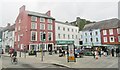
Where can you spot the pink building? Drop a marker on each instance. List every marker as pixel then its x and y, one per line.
pixel 34 30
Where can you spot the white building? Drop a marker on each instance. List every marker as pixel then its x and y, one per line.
pixel 8 37
pixel 66 34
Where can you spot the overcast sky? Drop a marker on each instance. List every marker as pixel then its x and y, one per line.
pixel 61 10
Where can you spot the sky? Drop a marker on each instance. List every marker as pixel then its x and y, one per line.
pixel 61 10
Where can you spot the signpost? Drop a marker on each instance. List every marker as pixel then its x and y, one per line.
pixel 70 53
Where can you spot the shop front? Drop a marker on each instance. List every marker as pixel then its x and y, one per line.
pixel 63 43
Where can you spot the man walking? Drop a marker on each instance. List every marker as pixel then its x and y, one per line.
pixel 112 51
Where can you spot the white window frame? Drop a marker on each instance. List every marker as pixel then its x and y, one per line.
pixel 58 27
pixel 104 32
pixel 105 39
pixel 59 36
pixel 36 35
pixel 64 36
pixel 42 35
pixel 42 19
pixel 34 17
pixel 18 27
pixel 111 31
pixel 33 25
pixel 51 36
pixel 19 21
pixel 50 20
pixel 118 30
pixel 18 37
pixel 113 38
pixel 50 27
pixel 42 26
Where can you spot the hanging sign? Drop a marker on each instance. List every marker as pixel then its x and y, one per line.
pixel 71 52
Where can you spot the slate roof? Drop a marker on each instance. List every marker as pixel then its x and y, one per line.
pixel 38 14
pixel 64 23
pixel 105 24
pixel 10 28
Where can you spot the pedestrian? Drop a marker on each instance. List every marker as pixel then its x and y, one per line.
pixel 112 51
pixel 117 52
pixel 105 51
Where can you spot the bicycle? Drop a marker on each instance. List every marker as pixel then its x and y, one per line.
pixel 14 60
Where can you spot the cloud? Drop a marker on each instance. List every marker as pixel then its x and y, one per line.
pixel 63 11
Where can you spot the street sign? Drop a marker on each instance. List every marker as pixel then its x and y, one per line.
pixel 71 52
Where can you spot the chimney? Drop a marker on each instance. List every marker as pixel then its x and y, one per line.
pixel 8 24
pixel 48 13
pixel 22 8
pixel 66 22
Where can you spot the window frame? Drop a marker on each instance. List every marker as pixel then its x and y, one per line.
pixel 35 25
pixel 35 35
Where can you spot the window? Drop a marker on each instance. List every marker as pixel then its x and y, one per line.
pixel 18 37
pixel 68 36
pixel 76 36
pixel 68 29
pixel 18 45
pixel 96 33
pixel 96 39
pixel 118 30
pixel 118 38
pixel 49 20
pixel 91 33
pixel 33 36
pixel 19 21
pixel 63 29
pixel 50 35
pixel 72 30
pixel 63 36
pixel 105 39
pixel 42 36
pixel 86 40
pixel 111 39
pixel 42 26
pixel 58 28
pixel 33 25
pixel 86 34
pixel 111 31
pixel 91 39
pixel 76 30
pixel 72 36
pixel 42 19
pixel 18 27
pixel 49 27
pixel 58 36
pixel 15 29
pixel 33 18
pixel 104 32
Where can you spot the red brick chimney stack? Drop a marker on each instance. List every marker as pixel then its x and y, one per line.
pixel 22 8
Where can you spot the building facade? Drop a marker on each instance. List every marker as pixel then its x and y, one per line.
pixel 111 34
pixel 91 37
pixel 102 33
pixel 8 37
pixel 66 34
pixel 34 30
